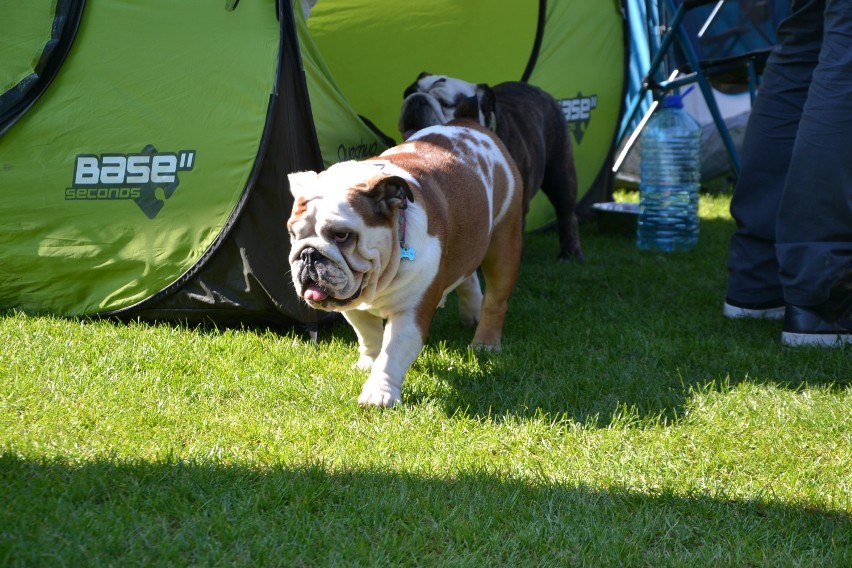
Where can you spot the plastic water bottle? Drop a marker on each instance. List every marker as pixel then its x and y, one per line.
pixel 670 180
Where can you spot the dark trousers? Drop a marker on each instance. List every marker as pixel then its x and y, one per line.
pixel 793 199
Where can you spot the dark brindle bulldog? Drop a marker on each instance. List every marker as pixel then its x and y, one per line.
pixel 530 124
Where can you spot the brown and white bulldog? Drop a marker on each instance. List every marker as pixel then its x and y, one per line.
pixel 529 122
pixel 389 237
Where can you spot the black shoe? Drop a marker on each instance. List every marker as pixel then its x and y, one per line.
pixel 763 310
pixel 809 326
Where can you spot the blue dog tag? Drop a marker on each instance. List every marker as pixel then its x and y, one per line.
pixel 406 253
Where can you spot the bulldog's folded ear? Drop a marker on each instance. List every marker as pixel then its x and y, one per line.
pixel 389 194
pixel 299 181
pixel 414 87
pixel 479 107
pixel 487 105
pixel 468 107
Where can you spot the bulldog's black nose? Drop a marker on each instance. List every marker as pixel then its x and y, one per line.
pixel 310 255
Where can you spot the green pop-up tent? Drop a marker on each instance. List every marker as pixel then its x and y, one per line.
pixel 144 147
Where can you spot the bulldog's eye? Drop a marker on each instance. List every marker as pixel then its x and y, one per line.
pixel 340 237
pixel 445 104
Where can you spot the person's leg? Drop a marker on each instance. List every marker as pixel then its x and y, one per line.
pixel 814 232
pixel 754 289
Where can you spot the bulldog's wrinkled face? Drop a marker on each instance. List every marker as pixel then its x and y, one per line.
pixel 342 232
pixel 432 100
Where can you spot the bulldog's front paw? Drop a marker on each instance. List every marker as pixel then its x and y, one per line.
pixel 379 393
pixel 364 363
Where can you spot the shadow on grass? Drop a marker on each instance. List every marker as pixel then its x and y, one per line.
pixel 180 513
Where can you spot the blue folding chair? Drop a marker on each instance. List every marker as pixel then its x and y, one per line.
pixel 724 46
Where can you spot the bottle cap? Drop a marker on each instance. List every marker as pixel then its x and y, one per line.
pixel 673 101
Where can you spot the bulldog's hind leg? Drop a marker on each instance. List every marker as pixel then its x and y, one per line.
pixel 470 300
pixel 500 271
pixel 560 186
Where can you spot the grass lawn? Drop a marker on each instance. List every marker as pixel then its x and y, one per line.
pixel 626 422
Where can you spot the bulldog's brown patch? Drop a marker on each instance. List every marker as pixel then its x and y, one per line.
pixel 300 207
pixel 300 214
pixel 457 204
pixel 360 199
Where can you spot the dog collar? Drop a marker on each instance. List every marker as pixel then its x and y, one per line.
pixel 405 252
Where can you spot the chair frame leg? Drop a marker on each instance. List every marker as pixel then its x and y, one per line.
pixel 653 82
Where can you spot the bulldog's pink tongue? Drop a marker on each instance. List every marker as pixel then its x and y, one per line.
pixel 314 293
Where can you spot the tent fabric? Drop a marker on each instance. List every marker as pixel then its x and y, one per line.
pixel 341 132
pixel 573 49
pixel 123 178
pixel 246 279
pixel 145 174
pixel 583 63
